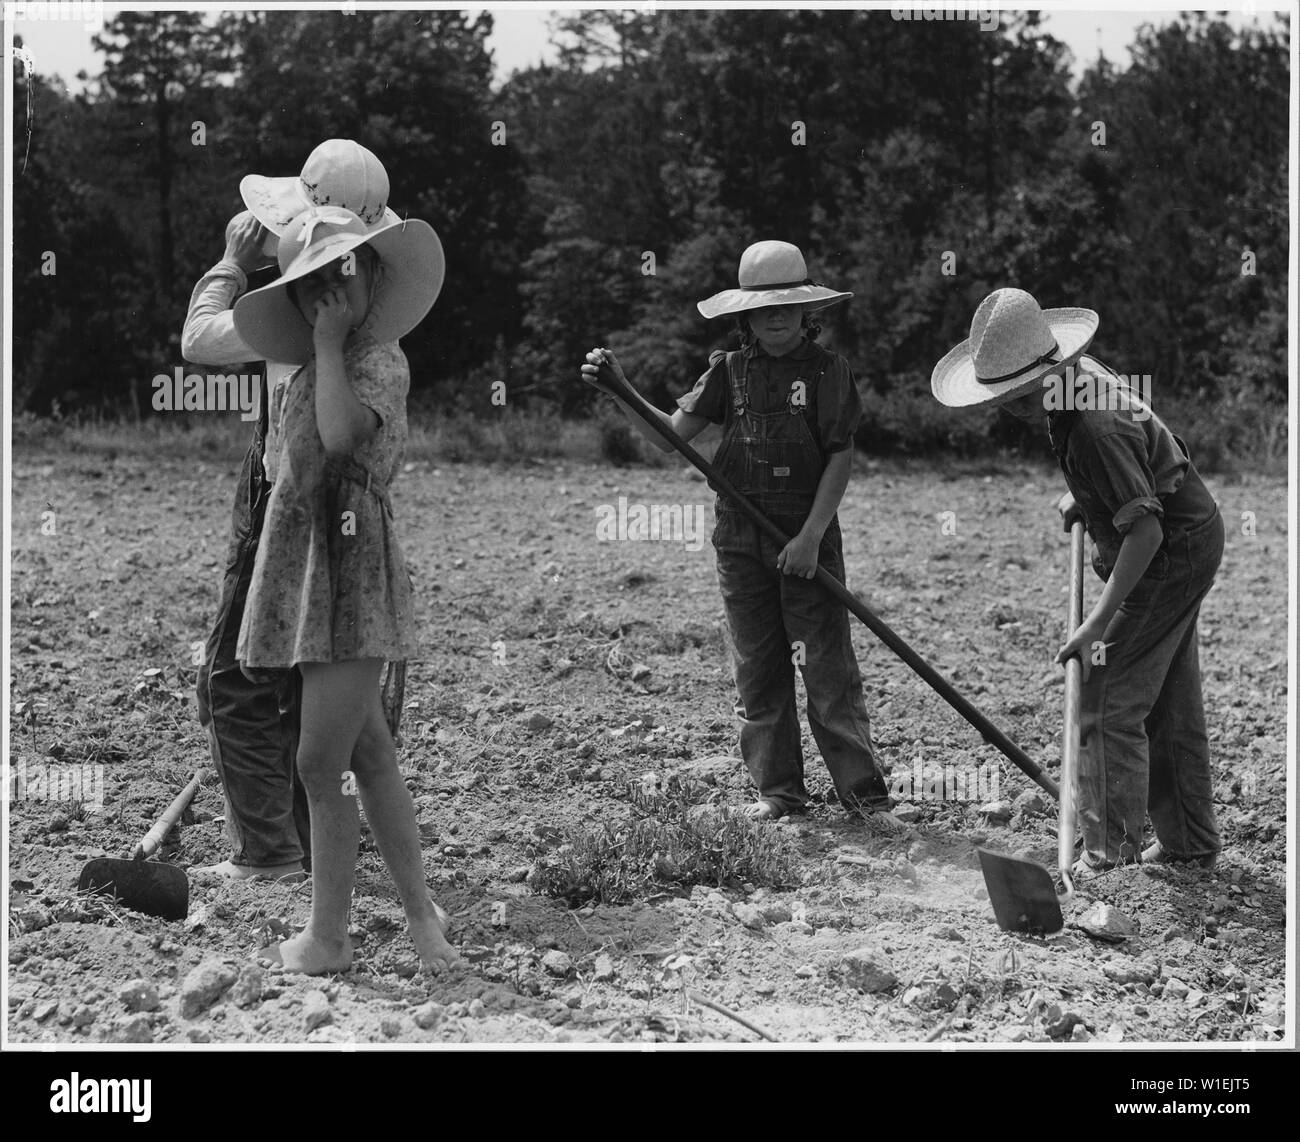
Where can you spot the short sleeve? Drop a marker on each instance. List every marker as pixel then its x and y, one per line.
pixel 380 377
pixel 839 406
pixel 1115 465
pixel 709 396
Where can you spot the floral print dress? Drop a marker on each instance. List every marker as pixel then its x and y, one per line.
pixel 330 583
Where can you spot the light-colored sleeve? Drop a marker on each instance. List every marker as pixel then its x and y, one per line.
pixel 381 378
pixel 209 336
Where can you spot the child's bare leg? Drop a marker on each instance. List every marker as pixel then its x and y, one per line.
pixel 391 816
pixel 334 707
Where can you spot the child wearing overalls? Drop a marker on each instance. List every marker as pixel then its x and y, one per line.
pixel 1158 539
pixel 788 409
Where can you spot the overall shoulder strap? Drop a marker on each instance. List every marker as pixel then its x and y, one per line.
pixel 737 378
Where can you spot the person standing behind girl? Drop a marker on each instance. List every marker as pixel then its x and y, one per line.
pixel 330 596
pixel 788 409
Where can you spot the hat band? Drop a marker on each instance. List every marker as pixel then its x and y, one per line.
pixel 1045 359
pixel 778 285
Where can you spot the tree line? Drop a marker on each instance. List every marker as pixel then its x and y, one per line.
pixel 596 199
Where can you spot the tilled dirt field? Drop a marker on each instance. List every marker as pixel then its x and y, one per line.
pixel 558 671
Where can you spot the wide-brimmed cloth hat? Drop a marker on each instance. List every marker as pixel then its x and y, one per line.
pixel 1012 345
pixel 771 273
pixel 339 172
pixel 411 274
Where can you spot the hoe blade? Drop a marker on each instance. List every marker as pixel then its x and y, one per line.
pixel 141 885
pixel 1021 892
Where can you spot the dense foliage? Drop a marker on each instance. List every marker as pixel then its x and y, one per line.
pixel 919 164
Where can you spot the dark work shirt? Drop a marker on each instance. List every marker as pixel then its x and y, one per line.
pixel 1122 463
pixel 834 407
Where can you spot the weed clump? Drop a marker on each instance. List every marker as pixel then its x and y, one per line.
pixel 670 843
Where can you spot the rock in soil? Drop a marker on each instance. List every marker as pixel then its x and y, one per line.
pixel 1103 922
pixel 316 1010
pixel 139 995
pixel 557 963
pixel 427 1016
pixel 748 915
pixel 867 968
pixel 204 985
pixel 1030 803
pixel 247 989
pixel 134 1030
pixel 997 812
pixel 1063 1027
pixel 604 969
pixel 1129 971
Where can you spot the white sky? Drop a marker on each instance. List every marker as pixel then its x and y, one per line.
pixel 62 46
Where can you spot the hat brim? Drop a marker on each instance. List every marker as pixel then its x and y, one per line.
pixel 275 202
pixel 731 301
pixel 955 384
pixel 413 270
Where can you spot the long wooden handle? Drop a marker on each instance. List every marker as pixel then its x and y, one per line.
pixel 611 383
pixel 154 837
pixel 1070 731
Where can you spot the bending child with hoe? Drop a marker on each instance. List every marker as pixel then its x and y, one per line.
pixel 1159 538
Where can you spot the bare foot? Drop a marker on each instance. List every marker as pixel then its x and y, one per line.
pixel 435 953
pixel 310 955
pixel 762 810
pixel 444 921
pixel 228 870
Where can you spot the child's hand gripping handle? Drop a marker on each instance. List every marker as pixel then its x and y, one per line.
pixel 611 380
pixel 1070 511
pixel 154 837
pixel 1073 692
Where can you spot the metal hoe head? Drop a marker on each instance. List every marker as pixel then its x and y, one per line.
pixel 1022 893
pixel 141 885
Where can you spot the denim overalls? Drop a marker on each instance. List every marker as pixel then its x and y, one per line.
pixel 778 620
pixel 252 726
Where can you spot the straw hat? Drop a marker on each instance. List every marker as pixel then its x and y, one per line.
pixel 1012 345
pixel 771 273
pixel 412 264
pixel 339 172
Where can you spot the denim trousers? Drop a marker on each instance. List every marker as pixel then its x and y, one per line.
pixel 252 726
pixel 776 621
pixel 1144 747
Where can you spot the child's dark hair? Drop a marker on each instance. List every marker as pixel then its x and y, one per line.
pixel 811 328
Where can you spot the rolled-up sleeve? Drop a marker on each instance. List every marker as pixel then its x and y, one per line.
pixel 209 336
pixel 1117 467
pixel 709 396
pixel 839 406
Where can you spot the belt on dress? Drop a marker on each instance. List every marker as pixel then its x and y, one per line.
pixel 359 474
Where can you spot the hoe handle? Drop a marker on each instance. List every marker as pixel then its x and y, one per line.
pixel 154 837
pixel 614 385
pixel 1070 730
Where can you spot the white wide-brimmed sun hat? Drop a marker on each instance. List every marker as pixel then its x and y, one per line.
pixel 339 172
pixel 771 273
pixel 1012 345
pixel 410 277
